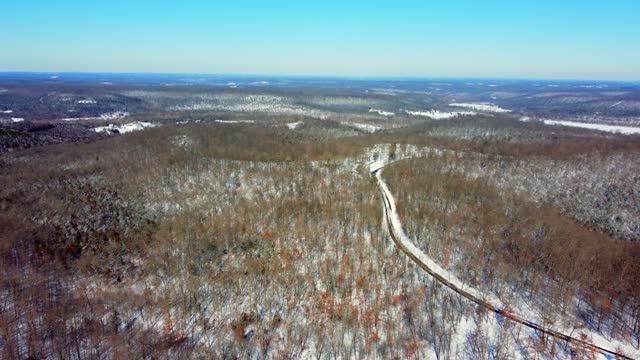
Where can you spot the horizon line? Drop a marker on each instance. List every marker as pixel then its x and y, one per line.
pixel 327 76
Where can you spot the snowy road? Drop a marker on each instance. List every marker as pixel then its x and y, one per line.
pixel 490 302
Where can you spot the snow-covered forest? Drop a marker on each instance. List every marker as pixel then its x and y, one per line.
pixel 245 225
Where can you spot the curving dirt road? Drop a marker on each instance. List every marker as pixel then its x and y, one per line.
pixel 449 280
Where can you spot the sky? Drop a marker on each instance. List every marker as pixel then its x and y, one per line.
pixel 559 39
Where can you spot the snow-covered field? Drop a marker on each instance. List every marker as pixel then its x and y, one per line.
pixel 294 125
pixel 124 128
pixel 363 127
pixel 488 107
pixel 107 116
pixel 382 112
pixel 188 122
pixel 626 130
pixel 235 121
pixel 440 115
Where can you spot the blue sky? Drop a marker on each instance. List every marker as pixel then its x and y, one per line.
pixel 587 39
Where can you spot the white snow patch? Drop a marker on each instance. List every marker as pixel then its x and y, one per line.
pixel 17 119
pixel 235 121
pixel 87 101
pixel 294 125
pixel 6 111
pixel 364 127
pixel 626 130
pixel 382 112
pixel 440 115
pixel 107 116
pixel 124 128
pixel 182 141
pixel 388 92
pixel 594 86
pixel 188 121
pixel 489 107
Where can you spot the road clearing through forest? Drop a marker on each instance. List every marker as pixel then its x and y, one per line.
pixel 445 277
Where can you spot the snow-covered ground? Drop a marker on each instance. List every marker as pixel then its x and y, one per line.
pixel 488 107
pixel 522 311
pixel 107 116
pixel 124 128
pixel 407 244
pixel 235 121
pixel 182 141
pixel 363 127
pixel 348 102
pixel 388 92
pixel 294 125
pixel 593 86
pixel 188 121
pixel 246 103
pixel 17 119
pixel 626 130
pixel 440 115
pixel 6 111
pixel 382 112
